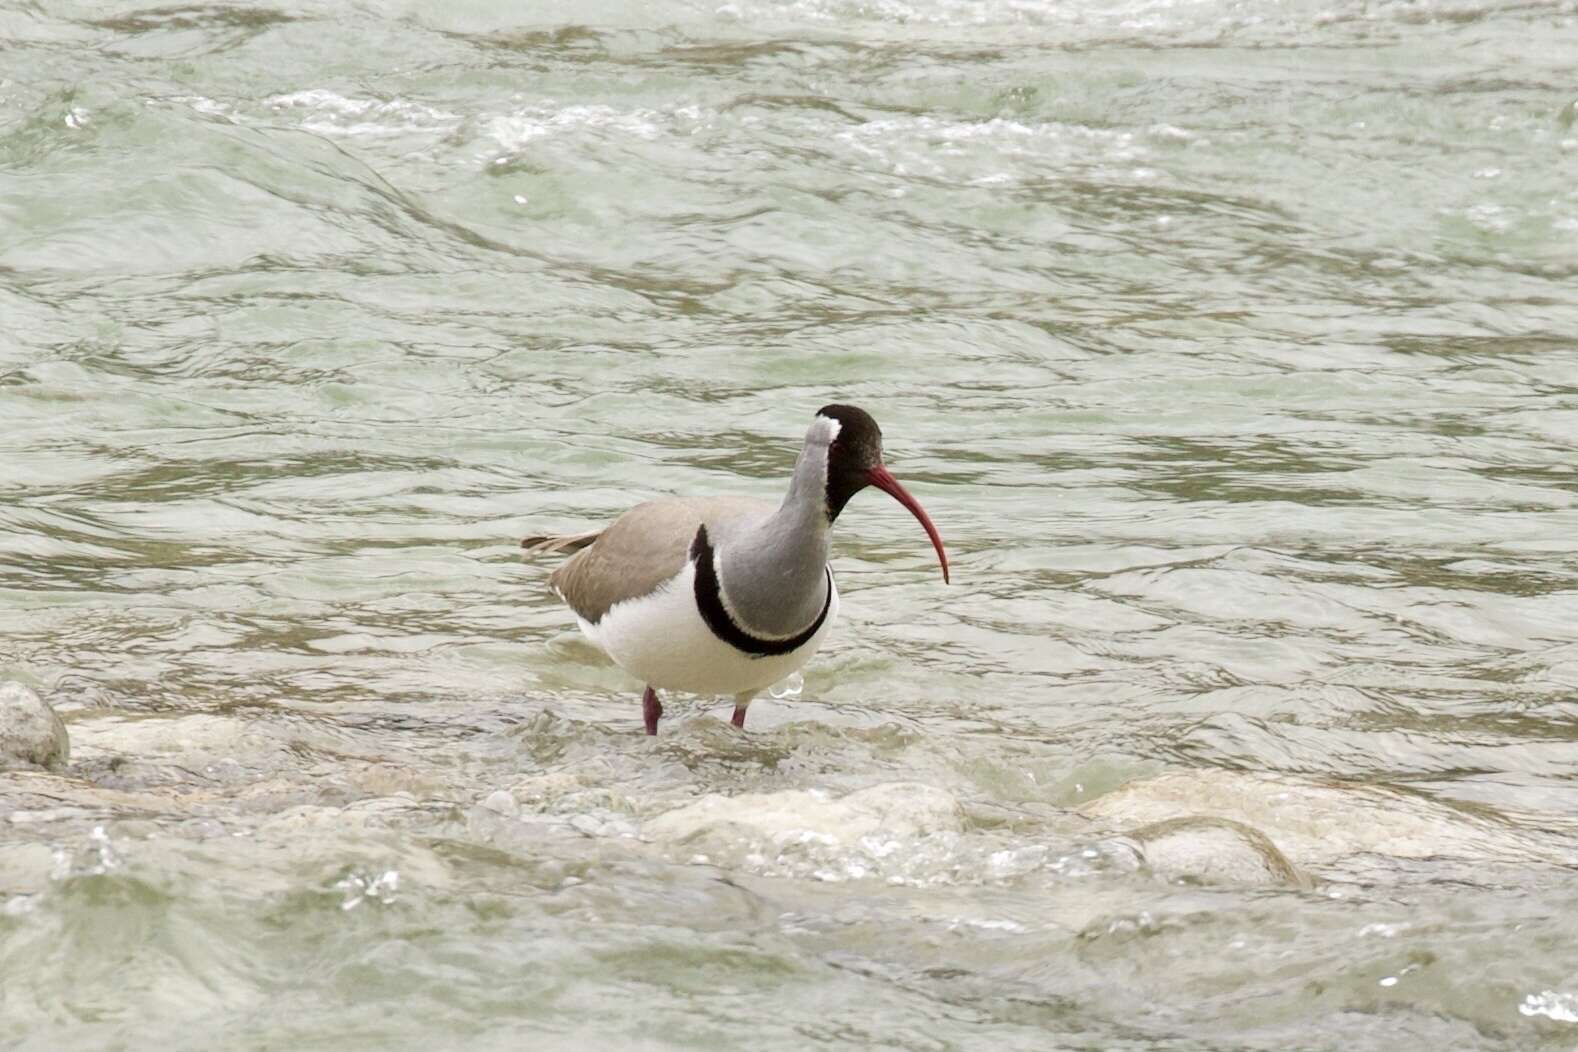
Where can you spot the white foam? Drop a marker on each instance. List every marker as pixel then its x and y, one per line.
pixel 1562 1007
pixel 359 887
pixel 1385 931
pixel 1012 927
pixel 514 130
pixel 203 104
pixel 958 14
pixel 98 858
pixel 330 113
pixel 1015 149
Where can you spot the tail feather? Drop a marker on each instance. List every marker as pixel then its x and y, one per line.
pixel 548 545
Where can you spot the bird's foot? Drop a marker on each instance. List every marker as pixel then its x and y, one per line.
pixel 651 710
pixel 741 702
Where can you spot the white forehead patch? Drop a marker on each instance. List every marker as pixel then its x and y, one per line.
pixel 824 429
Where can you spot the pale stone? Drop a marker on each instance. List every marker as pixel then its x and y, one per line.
pixel 1204 850
pixel 1317 824
pixel 903 809
pixel 31 734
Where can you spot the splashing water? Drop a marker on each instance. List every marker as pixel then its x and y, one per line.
pixel 789 687
pixel 359 888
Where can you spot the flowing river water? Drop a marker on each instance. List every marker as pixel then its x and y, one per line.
pixel 1232 346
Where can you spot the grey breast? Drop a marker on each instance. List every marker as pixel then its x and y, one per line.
pixel 645 547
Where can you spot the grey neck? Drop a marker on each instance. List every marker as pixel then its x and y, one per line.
pixel 774 574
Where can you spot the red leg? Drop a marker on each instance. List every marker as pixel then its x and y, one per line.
pixel 739 717
pixel 651 710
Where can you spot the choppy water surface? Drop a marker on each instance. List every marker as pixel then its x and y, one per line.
pixel 1233 347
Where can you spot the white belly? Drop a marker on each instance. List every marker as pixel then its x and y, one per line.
pixel 662 640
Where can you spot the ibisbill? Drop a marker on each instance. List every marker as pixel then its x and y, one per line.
pixel 726 595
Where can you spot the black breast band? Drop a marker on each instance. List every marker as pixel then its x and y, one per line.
pixel 709 600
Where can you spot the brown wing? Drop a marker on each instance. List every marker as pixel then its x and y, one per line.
pixel 547 544
pixel 644 547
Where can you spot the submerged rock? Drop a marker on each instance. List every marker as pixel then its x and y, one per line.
pixel 1206 850
pixel 31 734
pixel 899 832
pixel 904 809
pixel 1319 825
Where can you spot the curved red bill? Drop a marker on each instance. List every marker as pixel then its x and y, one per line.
pixel 883 479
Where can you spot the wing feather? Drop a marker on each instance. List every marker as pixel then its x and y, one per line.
pixel 644 547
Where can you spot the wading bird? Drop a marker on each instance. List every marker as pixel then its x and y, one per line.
pixel 726 595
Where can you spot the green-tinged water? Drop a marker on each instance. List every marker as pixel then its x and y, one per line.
pixel 1232 346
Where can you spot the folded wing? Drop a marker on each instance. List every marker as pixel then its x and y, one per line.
pixel 644 548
